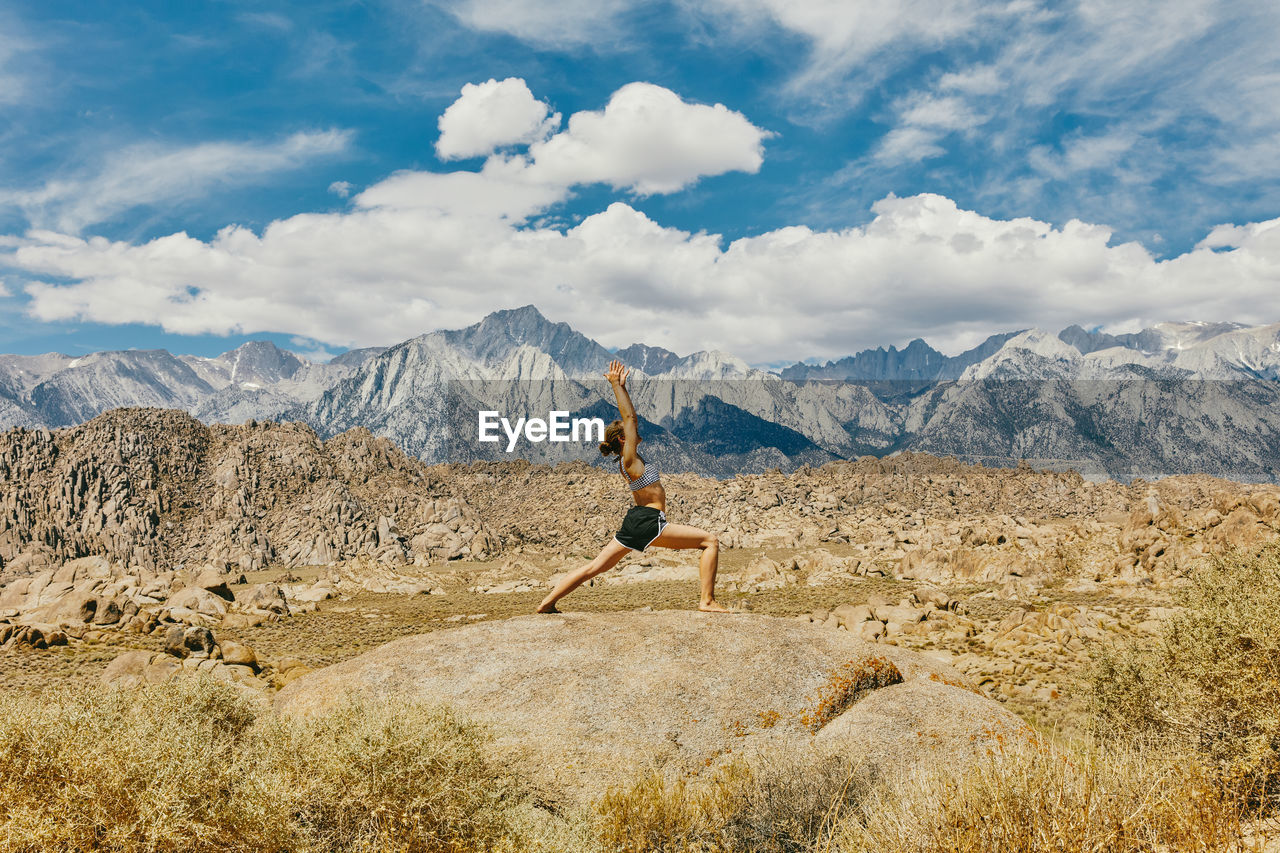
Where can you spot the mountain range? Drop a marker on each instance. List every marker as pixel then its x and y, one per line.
pixel 1173 398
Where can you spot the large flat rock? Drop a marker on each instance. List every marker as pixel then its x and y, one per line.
pixel 585 699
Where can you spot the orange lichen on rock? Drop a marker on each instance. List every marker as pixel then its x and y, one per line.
pixel 769 719
pixel 847 685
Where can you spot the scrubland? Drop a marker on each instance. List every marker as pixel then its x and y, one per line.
pixel 1173 744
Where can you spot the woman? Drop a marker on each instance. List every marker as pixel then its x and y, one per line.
pixel 646 522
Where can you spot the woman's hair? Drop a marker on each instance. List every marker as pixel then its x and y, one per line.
pixel 613 438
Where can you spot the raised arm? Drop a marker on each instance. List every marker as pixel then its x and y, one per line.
pixel 617 376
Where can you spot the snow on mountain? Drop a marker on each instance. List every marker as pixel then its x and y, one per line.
pixel 1078 398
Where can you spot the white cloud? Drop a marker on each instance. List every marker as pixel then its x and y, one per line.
pixel 503 189
pixel 846 34
pixel 974 80
pixel 1173 104
pixel 870 36
pixel 341 189
pixel 923 121
pixel 4 291
pixel 649 140
pixel 310 350
pixel 921 267
pixel 150 174
pixel 908 145
pixel 1078 153
pixel 14 52
pixel 646 139
pixel 1262 238
pixel 1197 73
pixel 565 23
pixel 266 20
pixel 945 113
pixel 491 115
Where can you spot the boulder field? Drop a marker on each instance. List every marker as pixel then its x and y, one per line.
pixel 586 700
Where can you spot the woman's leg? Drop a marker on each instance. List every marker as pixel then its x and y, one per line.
pixel 684 537
pixel 607 558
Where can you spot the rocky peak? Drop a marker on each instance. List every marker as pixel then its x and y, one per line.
pixel 916 362
pixel 650 360
pixel 255 364
pixel 494 338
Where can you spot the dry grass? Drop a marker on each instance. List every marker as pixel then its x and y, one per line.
pixel 1022 798
pixel 1027 798
pixel 194 765
pixel 1211 684
pixel 772 803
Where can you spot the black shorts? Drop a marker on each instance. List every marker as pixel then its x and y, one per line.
pixel 642 525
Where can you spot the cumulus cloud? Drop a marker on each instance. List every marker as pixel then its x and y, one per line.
pixel 649 140
pixel 491 115
pixel 503 189
pixel 151 174
pixel 921 267
pixel 1258 238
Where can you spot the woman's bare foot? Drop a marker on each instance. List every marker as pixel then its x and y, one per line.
pixel 547 608
pixel 713 607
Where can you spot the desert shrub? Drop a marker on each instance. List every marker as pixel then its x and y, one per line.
pixel 378 776
pixel 193 765
pixel 1211 684
pixel 774 803
pixel 84 769
pixel 1025 798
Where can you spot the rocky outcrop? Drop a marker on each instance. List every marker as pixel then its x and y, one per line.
pixel 883 508
pixel 1178 522
pixel 151 491
pixel 586 699
pixel 928 611
pixel 195 650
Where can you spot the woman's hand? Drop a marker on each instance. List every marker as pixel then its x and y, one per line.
pixel 617 373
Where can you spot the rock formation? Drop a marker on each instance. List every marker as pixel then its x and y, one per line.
pixel 152 490
pixel 584 700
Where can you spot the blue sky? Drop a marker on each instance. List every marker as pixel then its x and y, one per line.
pixel 782 180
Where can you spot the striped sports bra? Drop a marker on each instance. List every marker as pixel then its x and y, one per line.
pixel 648 478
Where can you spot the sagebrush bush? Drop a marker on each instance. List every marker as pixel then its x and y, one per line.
pixel 193 765
pixel 1211 684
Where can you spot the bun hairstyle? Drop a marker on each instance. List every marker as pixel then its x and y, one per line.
pixel 613 438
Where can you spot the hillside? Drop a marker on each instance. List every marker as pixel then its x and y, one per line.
pixel 157 489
